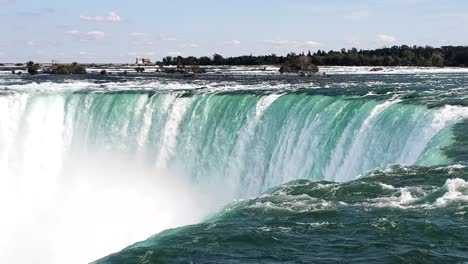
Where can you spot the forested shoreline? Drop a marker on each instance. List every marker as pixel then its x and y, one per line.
pixel 447 56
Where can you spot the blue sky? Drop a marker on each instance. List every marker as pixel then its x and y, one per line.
pixel 120 30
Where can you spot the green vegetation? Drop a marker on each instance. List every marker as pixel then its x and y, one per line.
pixel 301 64
pixel 453 56
pixel 395 56
pixel 66 69
pixel 33 68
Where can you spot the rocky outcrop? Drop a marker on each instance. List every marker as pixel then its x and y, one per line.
pixel 66 69
pixel 302 65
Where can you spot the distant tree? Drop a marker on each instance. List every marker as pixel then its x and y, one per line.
pixel 407 57
pixel 204 61
pixel 393 56
pixel 388 61
pixel 437 59
pixel 168 60
pixel 33 68
pixel 218 59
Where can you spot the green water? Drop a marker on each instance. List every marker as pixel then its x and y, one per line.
pixel 401 215
pixel 253 142
pixel 352 169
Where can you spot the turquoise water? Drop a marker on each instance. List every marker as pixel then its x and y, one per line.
pixel 402 215
pixel 353 168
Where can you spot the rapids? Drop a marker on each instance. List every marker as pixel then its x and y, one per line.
pixel 89 166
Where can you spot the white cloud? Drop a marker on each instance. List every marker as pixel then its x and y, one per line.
pixel 294 43
pixel 384 39
pixel 2 53
pixel 82 53
pixel 174 53
pixel 310 44
pixel 233 42
pixel 357 15
pixel 86 36
pixel 111 17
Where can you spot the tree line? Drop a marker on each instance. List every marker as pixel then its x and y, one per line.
pixel 450 56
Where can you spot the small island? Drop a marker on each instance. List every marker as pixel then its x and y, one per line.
pixel 302 65
pixel 58 69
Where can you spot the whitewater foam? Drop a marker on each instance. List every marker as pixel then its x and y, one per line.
pixel 168 144
pixel 456 190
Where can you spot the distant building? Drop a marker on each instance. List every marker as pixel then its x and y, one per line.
pixel 143 61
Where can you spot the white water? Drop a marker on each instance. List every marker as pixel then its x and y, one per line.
pixel 59 207
pixel 357 147
pixel 69 195
pixel 170 132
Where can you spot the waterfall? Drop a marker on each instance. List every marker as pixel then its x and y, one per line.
pixel 99 171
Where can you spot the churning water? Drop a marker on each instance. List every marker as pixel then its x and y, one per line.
pixel 269 169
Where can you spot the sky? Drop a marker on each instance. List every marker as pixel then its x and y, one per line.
pixel 120 30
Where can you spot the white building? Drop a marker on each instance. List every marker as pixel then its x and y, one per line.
pixel 143 61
